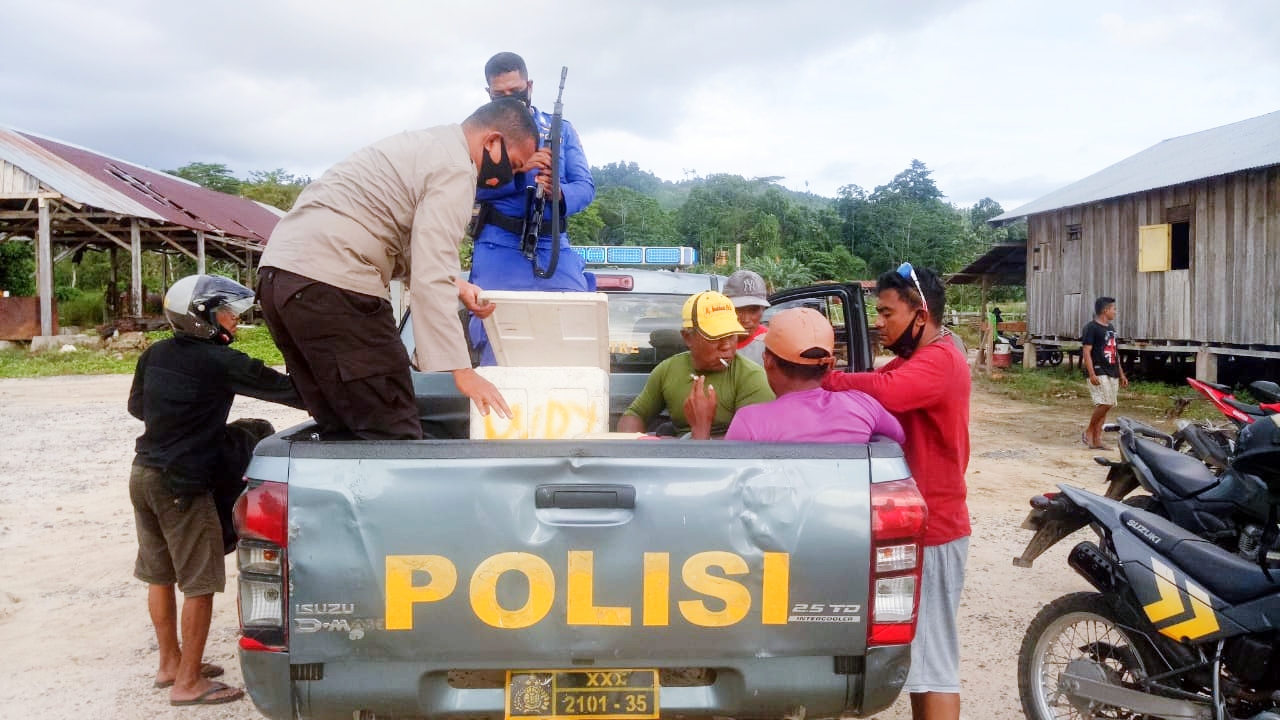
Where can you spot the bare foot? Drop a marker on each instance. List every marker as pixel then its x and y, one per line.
pixel 206 693
pixel 164 678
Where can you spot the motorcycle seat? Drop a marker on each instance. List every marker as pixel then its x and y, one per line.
pixel 1183 474
pixel 1223 573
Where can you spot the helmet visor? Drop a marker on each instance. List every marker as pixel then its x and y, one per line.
pixel 239 306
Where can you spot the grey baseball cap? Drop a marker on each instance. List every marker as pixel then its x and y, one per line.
pixel 746 289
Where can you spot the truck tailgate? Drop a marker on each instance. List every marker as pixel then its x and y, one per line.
pixel 529 554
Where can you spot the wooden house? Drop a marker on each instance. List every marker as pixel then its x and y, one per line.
pixel 1185 235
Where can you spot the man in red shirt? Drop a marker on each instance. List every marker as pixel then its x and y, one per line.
pixel 927 389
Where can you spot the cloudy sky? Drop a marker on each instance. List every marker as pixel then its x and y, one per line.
pixel 1008 99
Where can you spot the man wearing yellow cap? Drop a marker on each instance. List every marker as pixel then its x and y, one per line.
pixel 708 379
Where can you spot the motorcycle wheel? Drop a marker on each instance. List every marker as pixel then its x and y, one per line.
pixel 1055 358
pixel 1081 628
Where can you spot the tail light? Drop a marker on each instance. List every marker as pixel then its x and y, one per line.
pixel 897 523
pixel 262 521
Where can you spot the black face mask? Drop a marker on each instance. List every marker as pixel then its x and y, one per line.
pixel 494 174
pixel 907 342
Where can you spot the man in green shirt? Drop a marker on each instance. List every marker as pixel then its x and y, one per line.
pixel 709 375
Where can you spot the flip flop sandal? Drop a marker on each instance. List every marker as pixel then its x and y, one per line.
pixel 207 670
pixel 211 697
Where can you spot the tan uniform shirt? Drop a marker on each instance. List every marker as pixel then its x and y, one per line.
pixel 392 211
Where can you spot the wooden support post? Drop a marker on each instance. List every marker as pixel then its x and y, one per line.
pixel 1206 365
pixel 1028 354
pixel 135 238
pixel 200 252
pixel 114 301
pixel 44 269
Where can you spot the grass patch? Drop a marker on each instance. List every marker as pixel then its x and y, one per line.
pixel 1060 385
pixel 254 341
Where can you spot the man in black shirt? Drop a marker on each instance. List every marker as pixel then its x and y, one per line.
pixel 182 390
pixel 1101 362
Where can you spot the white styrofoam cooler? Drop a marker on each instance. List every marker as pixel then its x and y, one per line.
pixel 546 403
pixel 546 329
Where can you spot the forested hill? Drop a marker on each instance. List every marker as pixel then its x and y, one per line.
pixel 790 237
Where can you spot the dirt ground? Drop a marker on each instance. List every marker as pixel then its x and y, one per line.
pixel 76 642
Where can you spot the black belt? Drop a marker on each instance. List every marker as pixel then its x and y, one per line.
pixel 488 215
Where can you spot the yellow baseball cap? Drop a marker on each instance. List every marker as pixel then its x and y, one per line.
pixel 712 315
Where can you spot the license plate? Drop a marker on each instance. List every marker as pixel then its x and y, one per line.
pixel 588 694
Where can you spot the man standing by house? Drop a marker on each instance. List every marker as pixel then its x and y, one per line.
pixel 1101 360
pixel 397 209
pixel 498 262
pixel 748 292
pixel 926 387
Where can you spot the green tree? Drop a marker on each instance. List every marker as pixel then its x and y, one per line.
pixel 17 267
pixel 274 187
pixel 214 176
pixel 586 227
pixel 780 273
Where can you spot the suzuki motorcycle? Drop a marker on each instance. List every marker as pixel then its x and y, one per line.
pixel 1178 627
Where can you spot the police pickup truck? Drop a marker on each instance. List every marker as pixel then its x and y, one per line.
pixel 592 578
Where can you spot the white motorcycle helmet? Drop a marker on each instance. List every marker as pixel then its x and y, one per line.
pixel 192 303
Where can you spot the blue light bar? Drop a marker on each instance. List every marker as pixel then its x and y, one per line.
pixel 664 256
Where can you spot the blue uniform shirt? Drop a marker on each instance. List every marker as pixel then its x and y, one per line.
pixel 498 264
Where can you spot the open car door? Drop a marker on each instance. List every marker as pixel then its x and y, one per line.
pixel 844 306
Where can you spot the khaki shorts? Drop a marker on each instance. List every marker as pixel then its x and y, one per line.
pixel 176 545
pixel 1106 391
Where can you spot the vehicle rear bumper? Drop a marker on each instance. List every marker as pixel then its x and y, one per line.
pixel 743 688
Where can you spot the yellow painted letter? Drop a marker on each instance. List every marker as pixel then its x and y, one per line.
pixel 776 582
pixel 736 597
pixel 581 607
pixel 484 590
pixel 402 594
pixel 657 588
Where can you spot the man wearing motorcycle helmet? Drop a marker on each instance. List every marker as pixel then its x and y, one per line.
pixel 182 390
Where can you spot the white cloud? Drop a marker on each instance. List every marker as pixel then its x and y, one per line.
pixel 1000 98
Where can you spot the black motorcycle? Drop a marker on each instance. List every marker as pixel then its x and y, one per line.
pixel 1178 627
pixel 1229 508
pixel 1017 350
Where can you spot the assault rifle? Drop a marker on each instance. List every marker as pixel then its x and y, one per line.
pixel 536 201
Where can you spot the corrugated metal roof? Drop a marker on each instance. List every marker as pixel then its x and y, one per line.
pixel 115 185
pixel 1244 145
pixel 59 175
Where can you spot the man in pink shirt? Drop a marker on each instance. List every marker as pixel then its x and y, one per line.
pixel 799 350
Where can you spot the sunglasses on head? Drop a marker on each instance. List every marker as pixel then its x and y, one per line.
pixel 905 271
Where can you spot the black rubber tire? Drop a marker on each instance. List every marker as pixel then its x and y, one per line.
pixel 1036 690
pixel 1055 358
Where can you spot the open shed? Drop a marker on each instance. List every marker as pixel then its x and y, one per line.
pixel 68 198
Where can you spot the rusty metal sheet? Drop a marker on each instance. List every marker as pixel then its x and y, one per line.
pixel 20 318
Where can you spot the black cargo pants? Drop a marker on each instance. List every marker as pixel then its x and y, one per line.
pixel 344 354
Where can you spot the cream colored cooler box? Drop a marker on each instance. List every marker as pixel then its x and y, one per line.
pixel 552 350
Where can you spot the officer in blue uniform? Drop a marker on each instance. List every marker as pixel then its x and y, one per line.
pixel 497 262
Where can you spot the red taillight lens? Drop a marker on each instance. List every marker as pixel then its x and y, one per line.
pixel 262 513
pixel 898 516
pixel 897 511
